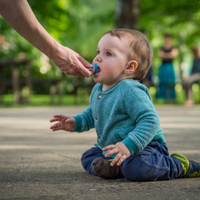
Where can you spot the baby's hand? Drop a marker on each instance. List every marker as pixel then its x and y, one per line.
pixel 120 149
pixel 66 123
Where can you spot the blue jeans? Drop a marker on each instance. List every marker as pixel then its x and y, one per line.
pixel 153 163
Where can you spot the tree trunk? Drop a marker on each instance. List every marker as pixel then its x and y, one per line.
pixel 128 14
pixel 15 82
pixel 28 82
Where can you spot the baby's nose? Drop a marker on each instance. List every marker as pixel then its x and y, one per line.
pixel 98 58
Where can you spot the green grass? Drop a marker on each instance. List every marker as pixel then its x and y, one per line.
pixel 45 100
pixel 83 99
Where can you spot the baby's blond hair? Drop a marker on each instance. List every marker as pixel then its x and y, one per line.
pixel 140 50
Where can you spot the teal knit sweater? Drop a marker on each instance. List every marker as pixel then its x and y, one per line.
pixel 123 113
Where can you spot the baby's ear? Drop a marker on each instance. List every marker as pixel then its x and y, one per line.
pixel 131 66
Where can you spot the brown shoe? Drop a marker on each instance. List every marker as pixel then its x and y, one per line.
pixel 101 167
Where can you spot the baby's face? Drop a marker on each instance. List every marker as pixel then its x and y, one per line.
pixel 112 57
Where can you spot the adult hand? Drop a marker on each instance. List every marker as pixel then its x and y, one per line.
pixel 20 17
pixel 120 150
pixel 70 62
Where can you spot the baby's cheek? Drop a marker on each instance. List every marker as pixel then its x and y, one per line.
pixel 110 73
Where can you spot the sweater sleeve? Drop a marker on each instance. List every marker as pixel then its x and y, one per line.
pixel 139 106
pixel 84 121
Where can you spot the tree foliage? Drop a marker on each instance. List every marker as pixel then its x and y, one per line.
pixel 79 24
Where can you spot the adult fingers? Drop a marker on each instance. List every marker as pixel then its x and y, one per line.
pixel 84 62
pixel 72 71
pixel 76 67
pixel 83 67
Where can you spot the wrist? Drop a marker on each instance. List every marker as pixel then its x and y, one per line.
pixel 53 50
pixel 132 147
pixel 78 126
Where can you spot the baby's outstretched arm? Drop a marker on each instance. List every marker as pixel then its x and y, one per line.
pixel 66 123
pixel 120 149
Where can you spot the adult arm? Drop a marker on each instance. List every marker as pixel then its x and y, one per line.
pixel 19 15
pixel 168 55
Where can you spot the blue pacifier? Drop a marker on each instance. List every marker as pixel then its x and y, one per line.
pixel 95 68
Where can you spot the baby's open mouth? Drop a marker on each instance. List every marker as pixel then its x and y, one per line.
pixel 99 70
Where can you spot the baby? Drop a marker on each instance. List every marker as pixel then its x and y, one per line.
pixel 130 142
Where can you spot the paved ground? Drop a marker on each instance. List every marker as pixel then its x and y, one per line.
pixel 36 163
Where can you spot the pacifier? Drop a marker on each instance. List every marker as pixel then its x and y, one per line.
pixel 95 68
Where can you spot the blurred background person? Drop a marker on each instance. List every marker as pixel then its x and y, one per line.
pixel 194 76
pixel 166 73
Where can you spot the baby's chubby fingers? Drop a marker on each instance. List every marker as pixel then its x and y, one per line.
pixel 111 150
pixel 112 146
pixel 121 160
pixel 60 118
pixel 56 118
pixel 56 127
pixel 66 123
pixel 116 159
